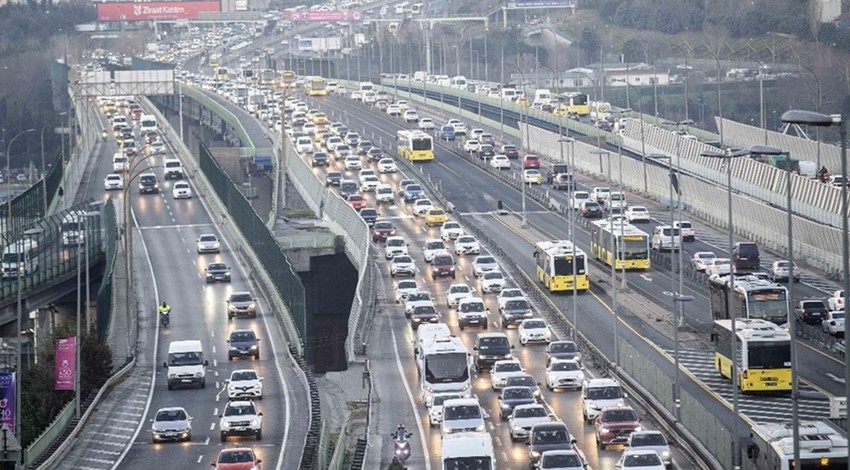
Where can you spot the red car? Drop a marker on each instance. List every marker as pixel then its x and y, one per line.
pixel 357 201
pixel 614 425
pixel 510 151
pixel 531 161
pixel 237 458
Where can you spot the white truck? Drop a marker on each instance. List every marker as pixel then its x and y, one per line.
pixel 468 450
pixel 443 365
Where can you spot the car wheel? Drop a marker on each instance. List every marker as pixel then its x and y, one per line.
pixel 170 387
pixel 153 440
pixel 257 357
pixel 229 358
pixel 260 435
pixel 223 437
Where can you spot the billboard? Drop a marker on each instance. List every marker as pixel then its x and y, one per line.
pixel 65 363
pixel 153 11
pixel 519 4
pixel 7 399
pixel 325 16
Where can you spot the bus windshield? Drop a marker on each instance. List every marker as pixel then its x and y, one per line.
pixel 635 249
pixel 768 355
pixel 446 368
pixel 421 144
pixel 564 266
pixel 771 306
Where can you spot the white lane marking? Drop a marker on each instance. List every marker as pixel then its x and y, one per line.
pixel 215 411
pixel 412 402
pixel 163 227
pixel 213 348
pixel 206 442
pixel 212 426
pixel 200 457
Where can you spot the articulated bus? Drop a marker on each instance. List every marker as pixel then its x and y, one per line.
pixel 316 86
pixel 573 103
pixel 822 446
pixel 221 73
pixel 630 245
pixel 765 354
pixel 414 145
pixel 755 298
pixel 561 266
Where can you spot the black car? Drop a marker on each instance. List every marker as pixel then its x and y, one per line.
pixel 243 343
pixel 513 396
pixel 319 159
pixel 548 436
pixel 423 314
pixel 486 152
pixel 375 154
pixel 524 380
pixel 491 347
pixel 563 350
pixel 217 272
pixel 369 215
pixel 333 178
pixel 148 183
pixel 515 311
pixel 811 312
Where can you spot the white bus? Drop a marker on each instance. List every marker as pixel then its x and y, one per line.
pixel 147 123
pixel 822 447
pixel 443 365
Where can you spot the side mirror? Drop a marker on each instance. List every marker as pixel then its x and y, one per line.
pixel 259 460
pixel 513 346
pixel 260 379
pixel 212 464
pixel 260 414
pixel 475 348
pixel 165 365
pixel 206 363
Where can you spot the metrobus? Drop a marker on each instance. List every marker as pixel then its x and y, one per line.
pixel 822 446
pixel 215 60
pixel 630 245
pixel 764 362
pixel 755 298
pixel 415 145
pixel 577 103
pixel 561 266
pixel 288 78
pixel 316 86
pixel 267 77
pixel 221 73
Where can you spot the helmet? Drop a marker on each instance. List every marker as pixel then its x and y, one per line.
pixel 164 304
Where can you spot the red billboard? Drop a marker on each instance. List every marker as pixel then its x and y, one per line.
pixel 325 16
pixel 153 11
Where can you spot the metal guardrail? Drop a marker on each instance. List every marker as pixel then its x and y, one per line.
pixel 223 113
pixel 42 443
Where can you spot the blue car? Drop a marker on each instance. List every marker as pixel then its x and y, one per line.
pixel 413 192
pixel 243 343
pixel 447 133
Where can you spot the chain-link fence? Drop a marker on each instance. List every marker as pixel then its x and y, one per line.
pixel 272 258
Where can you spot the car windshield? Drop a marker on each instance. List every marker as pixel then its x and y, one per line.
pixel 208 238
pixel 443 261
pixel 461 412
pixel 239 410
pixel 402 260
pixel 407 285
pixel 564 366
pixel 466 240
pixel 517 393
pixel 493 275
pixel 563 347
pixel 170 415
pixel 241 297
pixel 520 304
pixel 641 460
pixel 550 436
pixel 217 267
pixel 508 367
pixel 467 307
pixel 435 245
pixel 530 412
pixel 236 456
pixel 451 225
pixel 425 310
pixel 243 375
pixel 383 226
pixel 439 399
pixel 419 296
pixel 619 416
pixel 604 393
pixel 459 289
pixel 492 343
pixel 485 260
pixel 534 325
pixel 522 381
pixel 705 255
pixel 396 242
pixel 241 336
pixel 648 439
pixel 412 188
pixel 368 213
pixel 185 359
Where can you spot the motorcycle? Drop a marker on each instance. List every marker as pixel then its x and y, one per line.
pixel 401 440
pixel 164 318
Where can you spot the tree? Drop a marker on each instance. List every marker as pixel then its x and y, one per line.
pixel 590 45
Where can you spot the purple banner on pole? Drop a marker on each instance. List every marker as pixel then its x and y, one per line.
pixel 65 363
pixel 7 399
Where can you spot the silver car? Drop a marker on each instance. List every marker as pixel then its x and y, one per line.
pixel 483 264
pixel 241 303
pixel 208 243
pixel 171 424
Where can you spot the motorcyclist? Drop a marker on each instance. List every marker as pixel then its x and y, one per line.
pixel 401 433
pixel 823 175
pixel 164 309
pixel 396 465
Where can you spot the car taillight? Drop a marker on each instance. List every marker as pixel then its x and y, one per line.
pixel 745 374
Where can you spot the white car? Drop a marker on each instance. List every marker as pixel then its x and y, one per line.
pixel 450 231
pixel 393 110
pixel 524 417
pixel 157 148
pixel 509 294
pixel 459 126
pixel 402 105
pixel 411 116
pixel 352 139
pixel 456 293
pixel 304 145
pixel 241 418
pixel 432 247
pixel 417 299
pixel 352 162
pixel 701 259
pixel 369 184
pixel 836 301
pixel 435 409
pixel 395 246
pixel 564 373
pixel 181 190
pixel 309 128
pixel 422 206
pixel 500 162
pixel 492 281
pixel 208 243
pixel 579 198
pixel 651 440
pixel 384 193
pixel 640 460
pixel 532 176
pixel 426 124
pixel 833 322
pixel 113 181
pixel 534 330
pixel 467 245
pixel 332 143
pixel 637 214
pixel 503 369
pixel 404 288
pixel 718 267
pixel 387 165
pixel 484 264
pixel 402 265
pixel 462 415
pixel 476 134
pixel 471 145
pixel 244 383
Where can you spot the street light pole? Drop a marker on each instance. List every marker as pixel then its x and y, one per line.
pixel 572 228
pixel 613 248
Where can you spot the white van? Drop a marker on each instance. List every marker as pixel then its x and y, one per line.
pixel 72 228
pixel 147 123
pixel 430 331
pixel 598 394
pixel 666 238
pixel 809 169
pixel 20 257
pixel 459 82
pixel 541 97
pixel 120 164
pixel 510 94
pixel 366 86
pixel 186 364
pixel 472 449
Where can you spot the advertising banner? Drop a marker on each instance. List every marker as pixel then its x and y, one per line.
pixel 541 4
pixel 325 16
pixel 7 399
pixel 65 363
pixel 153 11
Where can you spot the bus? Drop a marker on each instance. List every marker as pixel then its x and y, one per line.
pixel 316 86
pixel 577 103
pixel 221 73
pixel 443 365
pixel 822 446
pixel 417 8
pixel 414 145
pixel 267 77
pixel 215 60
pixel 764 362
pixel 561 266
pixel 755 298
pixel 288 79
pixel 630 245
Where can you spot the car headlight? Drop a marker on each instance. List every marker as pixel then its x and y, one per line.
pixel 594 406
pixel 535 454
pixel 517 429
pixel 665 455
pixel 505 406
pixel 255 422
pixel 603 429
pixel 429 389
pixel 172 376
pixel 252 306
pixel 199 374
pixel 224 425
pixel 638 428
pixel 480 427
pixel 254 347
pixel 234 348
